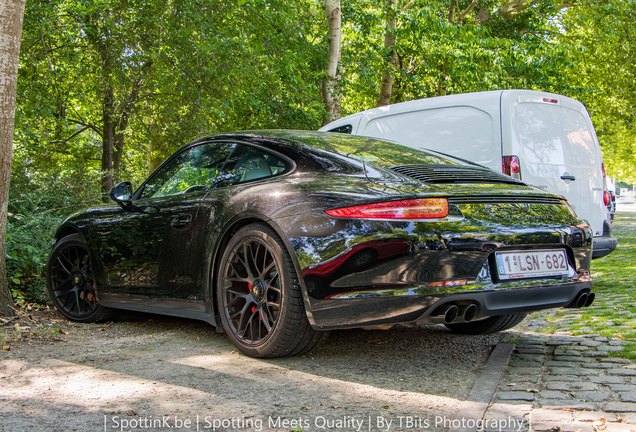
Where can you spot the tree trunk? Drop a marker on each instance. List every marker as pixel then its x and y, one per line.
pixel 386 87
pixel 108 139
pixel 154 160
pixel 11 15
pixel 124 119
pixel 512 8
pixel 330 92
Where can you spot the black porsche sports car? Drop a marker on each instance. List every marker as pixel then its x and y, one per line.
pixel 277 236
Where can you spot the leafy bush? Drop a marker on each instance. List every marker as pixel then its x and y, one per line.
pixel 35 212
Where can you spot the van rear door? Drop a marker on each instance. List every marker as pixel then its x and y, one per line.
pixel 558 150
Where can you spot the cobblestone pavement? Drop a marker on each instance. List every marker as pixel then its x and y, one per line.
pixel 566 383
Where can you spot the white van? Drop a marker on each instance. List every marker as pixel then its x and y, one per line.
pixel 544 139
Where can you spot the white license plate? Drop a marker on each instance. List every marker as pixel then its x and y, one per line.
pixel 532 264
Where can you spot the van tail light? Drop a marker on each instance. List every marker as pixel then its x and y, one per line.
pixel 606 195
pixel 425 208
pixel 510 165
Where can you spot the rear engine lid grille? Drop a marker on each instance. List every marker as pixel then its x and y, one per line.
pixel 453 174
pixel 497 199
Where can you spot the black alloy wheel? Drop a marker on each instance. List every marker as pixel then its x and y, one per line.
pixel 259 296
pixel 71 281
pixel 252 290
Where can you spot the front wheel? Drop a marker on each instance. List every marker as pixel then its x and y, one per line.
pixel 71 282
pixel 259 296
pixel 492 324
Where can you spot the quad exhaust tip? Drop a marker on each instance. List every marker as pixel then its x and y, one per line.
pixel 581 301
pixel 451 312
pixel 470 312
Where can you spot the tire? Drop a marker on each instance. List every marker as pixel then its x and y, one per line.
pixel 71 282
pixel 259 296
pixel 492 324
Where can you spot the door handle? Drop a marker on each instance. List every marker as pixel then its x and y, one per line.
pixel 181 221
pixel 568 177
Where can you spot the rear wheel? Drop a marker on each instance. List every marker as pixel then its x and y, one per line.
pixel 259 296
pixel 492 324
pixel 71 282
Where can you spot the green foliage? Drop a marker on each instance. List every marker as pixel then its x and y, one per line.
pixel 177 70
pixel 442 55
pixel 602 75
pixel 34 216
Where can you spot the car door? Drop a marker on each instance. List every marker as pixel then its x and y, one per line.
pixel 148 251
pixel 558 151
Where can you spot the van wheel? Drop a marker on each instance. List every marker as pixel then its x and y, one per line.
pixel 492 324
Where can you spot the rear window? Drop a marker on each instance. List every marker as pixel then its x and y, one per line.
pixel 371 150
pixel 551 134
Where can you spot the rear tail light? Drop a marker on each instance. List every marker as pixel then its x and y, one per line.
pixel 425 208
pixel 511 165
pixel 606 195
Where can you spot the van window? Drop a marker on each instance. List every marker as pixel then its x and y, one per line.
pixel 551 135
pixel 342 129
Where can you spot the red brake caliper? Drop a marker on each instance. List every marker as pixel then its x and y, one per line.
pixel 249 288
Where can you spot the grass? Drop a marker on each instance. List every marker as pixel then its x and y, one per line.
pixel 613 313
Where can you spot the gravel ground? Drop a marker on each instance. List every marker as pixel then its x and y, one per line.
pixel 126 375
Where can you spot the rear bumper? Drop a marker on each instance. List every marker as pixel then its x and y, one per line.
pixel 605 244
pixel 395 307
pixel 356 273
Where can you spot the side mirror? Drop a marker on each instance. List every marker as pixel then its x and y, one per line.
pixel 122 194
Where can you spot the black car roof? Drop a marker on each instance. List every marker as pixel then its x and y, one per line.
pixel 355 148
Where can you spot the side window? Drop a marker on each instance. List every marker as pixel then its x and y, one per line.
pixel 342 129
pixel 193 170
pixel 249 163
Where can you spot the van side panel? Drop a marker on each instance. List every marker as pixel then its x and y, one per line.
pixel 441 129
pixel 466 126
